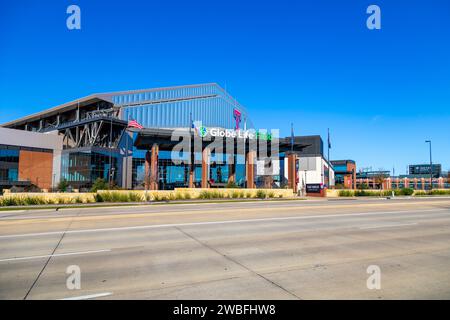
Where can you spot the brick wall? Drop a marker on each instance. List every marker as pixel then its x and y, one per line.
pixel 36 167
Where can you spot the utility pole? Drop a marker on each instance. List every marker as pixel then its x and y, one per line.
pixel 431 166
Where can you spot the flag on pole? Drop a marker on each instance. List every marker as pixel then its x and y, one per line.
pixel 134 124
pixel 192 121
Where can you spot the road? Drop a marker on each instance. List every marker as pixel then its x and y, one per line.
pixel 254 250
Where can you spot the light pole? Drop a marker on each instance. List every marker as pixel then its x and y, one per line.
pixel 431 166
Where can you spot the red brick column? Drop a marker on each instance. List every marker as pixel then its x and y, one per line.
pixel 205 167
pixel 154 167
pixel 250 169
pixel 292 171
pixel 231 169
pixel 147 170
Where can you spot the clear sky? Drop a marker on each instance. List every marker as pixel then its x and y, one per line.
pixel 313 63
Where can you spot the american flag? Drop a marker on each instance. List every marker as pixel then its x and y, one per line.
pixel 134 124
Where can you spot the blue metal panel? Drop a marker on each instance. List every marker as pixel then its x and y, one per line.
pixel 171 108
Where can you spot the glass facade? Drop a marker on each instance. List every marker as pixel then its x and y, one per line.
pixel 9 163
pixel 171 175
pixel 81 169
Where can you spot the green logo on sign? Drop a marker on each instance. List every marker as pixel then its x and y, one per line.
pixel 202 131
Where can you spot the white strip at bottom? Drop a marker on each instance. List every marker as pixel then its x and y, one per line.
pixel 91 296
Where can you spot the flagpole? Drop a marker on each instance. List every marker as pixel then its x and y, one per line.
pixel 329 161
pixel 127 154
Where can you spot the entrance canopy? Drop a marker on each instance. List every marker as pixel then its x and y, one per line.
pixel 166 139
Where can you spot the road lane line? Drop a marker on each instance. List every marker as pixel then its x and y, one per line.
pixel 90 296
pixel 183 212
pixel 389 226
pixel 158 226
pixel 55 255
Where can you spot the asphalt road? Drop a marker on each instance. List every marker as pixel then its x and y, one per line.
pixel 255 250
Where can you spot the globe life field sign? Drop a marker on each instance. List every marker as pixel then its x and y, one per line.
pixel 229 133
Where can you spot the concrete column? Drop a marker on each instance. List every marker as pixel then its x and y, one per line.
pixel 147 170
pixel 205 167
pixel 250 169
pixel 154 167
pixel 441 183
pixel 406 182
pixel 292 171
pixel 423 183
pixel 415 183
pixel 389 184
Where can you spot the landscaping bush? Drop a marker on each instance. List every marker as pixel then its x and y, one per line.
pixel 440 192
pixel 63 185
pixel 211 194
pixel 364 193
pixel 406 192
pixel 346 193
pixel 115 196
pixel 261 194
pixel 187 196
pixel 99 184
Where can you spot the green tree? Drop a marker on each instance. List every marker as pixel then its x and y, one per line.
pixel 99 184
pixel 63 185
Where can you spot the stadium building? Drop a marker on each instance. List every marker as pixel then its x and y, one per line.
pixel 126 138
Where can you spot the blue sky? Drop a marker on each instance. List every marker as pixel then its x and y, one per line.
pixel 313 63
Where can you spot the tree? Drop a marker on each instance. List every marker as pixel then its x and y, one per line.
pixel 99 184
pixel 380 178
pixel 63 185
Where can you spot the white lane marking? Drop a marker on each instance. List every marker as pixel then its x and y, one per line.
pixel 389 226
pixel 90 296
pixel 55 255
pixel 157 226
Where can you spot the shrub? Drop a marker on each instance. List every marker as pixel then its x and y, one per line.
pixel 261 194
pixel 407 191
pixel 179 196
pixel 98 197
pixel 134 197
pixel 232 185
pixel 440 192
pixel 364 193
pixel 235 194
pixel 99 184
pixel 63 185
pixel 271 194
pixel 346 193
pixel 205 195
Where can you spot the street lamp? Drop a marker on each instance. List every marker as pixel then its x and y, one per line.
pixel 431 166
